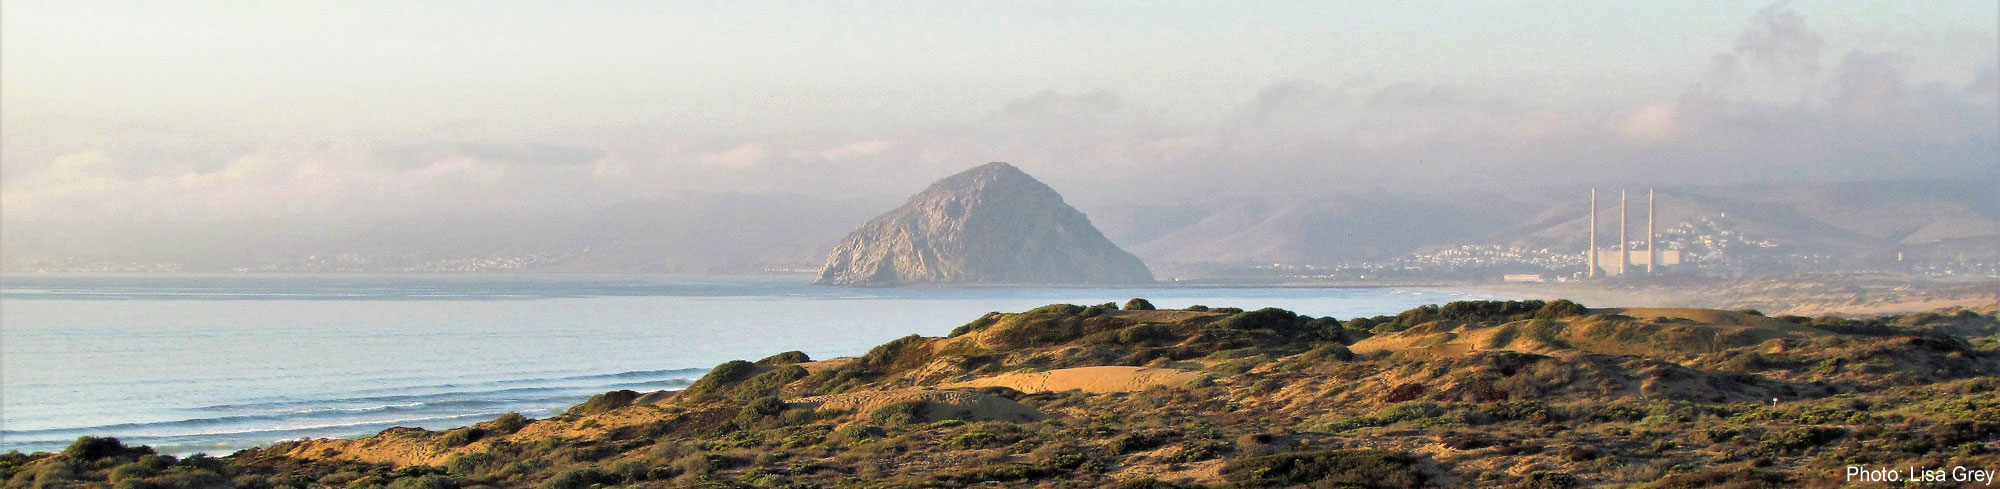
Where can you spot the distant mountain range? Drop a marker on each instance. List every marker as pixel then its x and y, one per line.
pixel 727 233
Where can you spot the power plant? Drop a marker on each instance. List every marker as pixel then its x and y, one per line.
pixel 1597 263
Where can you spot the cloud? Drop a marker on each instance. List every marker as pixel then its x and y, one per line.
pixel 1651 124
pixel 1779 42
pixel 1774 104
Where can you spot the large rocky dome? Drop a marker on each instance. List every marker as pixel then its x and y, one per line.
pixel 989 225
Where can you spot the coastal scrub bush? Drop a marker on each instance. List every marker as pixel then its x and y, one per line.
pixel 769 383
pixel 579 478
pixel 1060 309
pixel 1326 353
pixel 754 412
pixel 1409 411
pixel 1542 330
pixel 1328 468
pixel 509 423
pixel 1561 308
pixel 429 481
pixel 1542 479
pixel 607 401
pixel 786 358
pixel 1196 308
pixel 884 356
pixel 975 325
pixel 1269 318
pixel 973 440
pixel 858 431
pixel 459 437
pixel 1142 440
pixel 1199 450
pixel 472 463
pixel 1098 310
pixel 1145 333
pixel 898 414
pixel 1006 472
pixel 1150 484
pixel 90 448
pixel 1417 315
pixel 1138 304
pixel 721 376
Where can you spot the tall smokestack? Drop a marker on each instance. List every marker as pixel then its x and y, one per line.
pixel 1590 257
pixel 1624 254
pixel 1652 257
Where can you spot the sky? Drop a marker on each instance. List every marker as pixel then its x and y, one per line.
pixel 145 112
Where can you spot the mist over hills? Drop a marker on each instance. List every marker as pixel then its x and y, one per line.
pixel 731 233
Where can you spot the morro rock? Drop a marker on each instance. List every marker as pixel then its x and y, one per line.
pixel 989 225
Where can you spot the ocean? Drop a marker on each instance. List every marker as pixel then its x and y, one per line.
pixel 215 364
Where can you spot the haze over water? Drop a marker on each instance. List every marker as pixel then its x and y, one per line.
pixel 216 364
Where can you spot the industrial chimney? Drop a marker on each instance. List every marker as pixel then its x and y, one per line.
pixel 1652 257
pixel 1590 257
pixel 1624 250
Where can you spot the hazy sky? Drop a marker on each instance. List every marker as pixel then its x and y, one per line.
pixel 142 112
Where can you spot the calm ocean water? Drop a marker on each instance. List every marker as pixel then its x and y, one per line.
pixel 217 364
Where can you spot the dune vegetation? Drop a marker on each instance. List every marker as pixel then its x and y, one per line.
pixel 1526 394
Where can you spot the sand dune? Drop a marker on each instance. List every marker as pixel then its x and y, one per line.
pixel 1088 379
pixel 938 404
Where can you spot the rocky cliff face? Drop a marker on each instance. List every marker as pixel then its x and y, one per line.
pixel 989 225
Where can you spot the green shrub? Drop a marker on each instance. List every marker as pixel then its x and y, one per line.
pixel 1199 450
pixel 973 440
pixel 1339 424
pixel 430 481
pixel 1324 353
pixel 1240 365
pixel 1542 479
pixel 459 437
pixel 1138 304
pixel 1145 334
pixel 975 325
pixel 1150 484
pixel 898 414
pixel 471 463
pixel 1266 385
pixel 1196 308
pixel 786 358
pixel 1058 309
pixel 1329 468
pixel 757 410
pixel 1561 308
pixel 858 431
pixel 884 356
pixel 769 383
pixel 1142 440
pixel 1269 318
pixel 89 448
pixel 1007 472
pixel 1409 411
pixel 509 423
pixel 721 376
pixel 605 402
pixel 580 478
pixel 134 470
